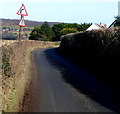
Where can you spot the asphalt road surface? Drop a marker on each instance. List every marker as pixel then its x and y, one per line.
pixel 63 87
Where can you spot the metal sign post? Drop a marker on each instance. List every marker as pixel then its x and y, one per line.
pixel 20 31
pixel 23 12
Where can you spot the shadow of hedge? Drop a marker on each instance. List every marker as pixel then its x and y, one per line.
pixel 97 52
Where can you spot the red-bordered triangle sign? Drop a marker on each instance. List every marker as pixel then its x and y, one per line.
pixel 22 22
pixel 22 11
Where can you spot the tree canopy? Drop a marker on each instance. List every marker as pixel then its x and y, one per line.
pixel 47 33
pixel 117 21
pixel 43 32
pixel 58 28
pixel 65 31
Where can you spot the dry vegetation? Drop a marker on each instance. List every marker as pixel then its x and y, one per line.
pixel 16 63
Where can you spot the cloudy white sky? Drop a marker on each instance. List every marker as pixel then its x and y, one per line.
pixel 71 11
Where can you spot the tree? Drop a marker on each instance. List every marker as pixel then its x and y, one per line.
pixel 35 34
pixel 43 32
pixel 57 28
pixel 73 25
pixel 46 31
pixel 117 21
pixel 85 26
pixel 117 17
pixel 65 31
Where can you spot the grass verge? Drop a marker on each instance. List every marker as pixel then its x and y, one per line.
pixel 16 74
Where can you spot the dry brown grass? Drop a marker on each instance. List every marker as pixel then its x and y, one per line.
pixel 16 64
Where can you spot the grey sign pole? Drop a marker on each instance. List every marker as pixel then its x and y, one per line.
pixel 20 30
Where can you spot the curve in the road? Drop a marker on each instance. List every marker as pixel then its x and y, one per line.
pixel 55 95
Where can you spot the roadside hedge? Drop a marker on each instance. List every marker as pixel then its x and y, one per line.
pixel 97 51
pixel 94 43
pixel 16 71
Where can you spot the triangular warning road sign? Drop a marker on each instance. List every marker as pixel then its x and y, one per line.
pixel 22 22
pixel 22 11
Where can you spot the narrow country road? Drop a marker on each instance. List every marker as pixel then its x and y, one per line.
pixel 63 87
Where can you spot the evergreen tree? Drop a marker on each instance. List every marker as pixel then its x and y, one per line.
pixel 34 35
pixel 43 32
pixel 47 31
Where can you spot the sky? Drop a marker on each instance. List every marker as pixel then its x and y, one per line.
pixel 68 11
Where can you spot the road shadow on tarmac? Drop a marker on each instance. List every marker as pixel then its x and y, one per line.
pixel 84 82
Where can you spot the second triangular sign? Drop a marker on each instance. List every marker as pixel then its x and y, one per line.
pixel 22 22
pixel 22 11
